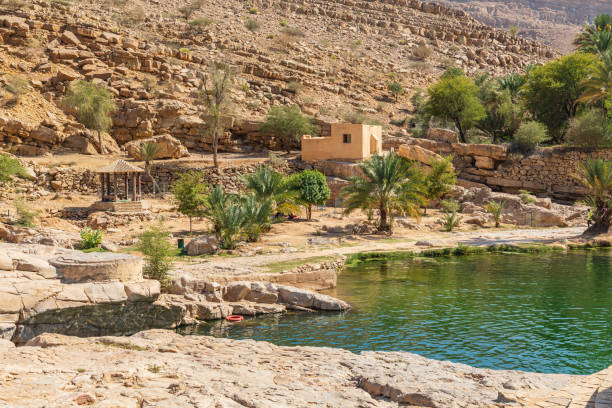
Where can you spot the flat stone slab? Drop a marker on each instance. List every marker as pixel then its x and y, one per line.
pixel 98 267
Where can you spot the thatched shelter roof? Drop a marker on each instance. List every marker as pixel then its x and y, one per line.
pixel 120 166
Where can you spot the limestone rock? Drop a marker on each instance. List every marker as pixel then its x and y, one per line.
pixel 204 245
pixel 417 153
pixel 170 147
pixel 308 299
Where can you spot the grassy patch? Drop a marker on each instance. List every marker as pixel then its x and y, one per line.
pixel 277 267
pixel 460 250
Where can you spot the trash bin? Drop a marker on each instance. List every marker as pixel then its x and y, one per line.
pixel 181 244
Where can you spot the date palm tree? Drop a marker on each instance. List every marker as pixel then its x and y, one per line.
pixel 598 86
pixel 596 176
pixel 148 151
pixel 268 184
pixel 595 37
pixel 390 184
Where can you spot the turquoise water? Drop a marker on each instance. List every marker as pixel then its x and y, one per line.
pixel 546 313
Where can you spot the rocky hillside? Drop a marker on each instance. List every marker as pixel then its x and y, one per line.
pixel 332 58
pixel 554 22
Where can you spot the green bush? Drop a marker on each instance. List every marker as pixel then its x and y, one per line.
pixel 591 130
pixel 450 221
pixel 200 23
pixel 496 209
pixel 9 167
pixel 529 136
pixel 450 205
pixel 90 238
pixel 25 215
pixel 155 244
pixel 252 24
pixel 288 124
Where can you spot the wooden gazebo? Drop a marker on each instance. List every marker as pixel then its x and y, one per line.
pixel 120 183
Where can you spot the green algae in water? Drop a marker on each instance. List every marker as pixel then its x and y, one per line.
pixel 545 312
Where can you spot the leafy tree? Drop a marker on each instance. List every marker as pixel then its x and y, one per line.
pixel 552 91
pixel 529 136
pixel 389 183
pixel 9 167
pixel 455 98
pixel 189 195
pixel 268 184
pixel 312 189
pixel 452 72
pixel 496 209
pixel 590 40
pixel 503 111
pixel 440 179
pixel 217 104
pixel 598 85
pixel 596 175
pixel 93 105
pixel 396 89
pixel 155 244
pixel 289 124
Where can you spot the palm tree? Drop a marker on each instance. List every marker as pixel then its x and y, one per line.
pixel 217 203
pixel 588 39
pixel 598 86
pixel 389 183
pixel 496 209
pixel 256 216
pixel 596 176
pixel 512 83
pixel 267 184
pixel 148 151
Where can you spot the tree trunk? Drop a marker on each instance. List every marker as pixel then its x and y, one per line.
pixel 215 149
pixel 100 142
pixel 384 226
pixel 190 225
pixel 461 132
pixel 309 212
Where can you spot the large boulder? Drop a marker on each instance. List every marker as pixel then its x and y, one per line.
pixel 170 147
pixel 417 153
pixel 442 135
pixel 204 245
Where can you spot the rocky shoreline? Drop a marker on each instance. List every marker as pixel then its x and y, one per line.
pixel 160 368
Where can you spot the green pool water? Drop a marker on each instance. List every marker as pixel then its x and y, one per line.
pixel 547 313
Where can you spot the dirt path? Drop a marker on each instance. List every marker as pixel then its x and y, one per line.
pixel 255 263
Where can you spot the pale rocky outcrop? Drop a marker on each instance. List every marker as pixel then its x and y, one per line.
pixel 164 369
pixel 169 148
pixel 204 245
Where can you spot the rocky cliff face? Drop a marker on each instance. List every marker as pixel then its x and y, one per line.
pixel 554 22
pixel 329 57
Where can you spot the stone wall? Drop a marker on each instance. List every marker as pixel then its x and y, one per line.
pixel 550 171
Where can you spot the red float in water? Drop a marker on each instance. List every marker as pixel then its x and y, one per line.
pixel 234 318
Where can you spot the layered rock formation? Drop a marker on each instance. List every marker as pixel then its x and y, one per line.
pixel 328 57
pixel 163 369
pixel 52 290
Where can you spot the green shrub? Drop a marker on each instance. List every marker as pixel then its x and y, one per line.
pixel 10 167
pixel 450 205
pixel 591 129
pixel 200 23
pixel 312 189
pixel 17 86
pixel 253 10
pixel 529 136
pixel 422 52
pixel 288 124
pixel 496 208
pixel 252 24
pixel 450 221
pixel 293 31
pixel 25 215
pixel 90 238
pixel 155 244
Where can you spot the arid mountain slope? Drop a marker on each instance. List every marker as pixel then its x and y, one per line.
pixel 329 57
pixel 553 22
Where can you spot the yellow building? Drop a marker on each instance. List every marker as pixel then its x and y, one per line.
pixel 351 142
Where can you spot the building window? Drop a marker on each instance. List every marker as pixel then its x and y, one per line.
pixel 346 138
